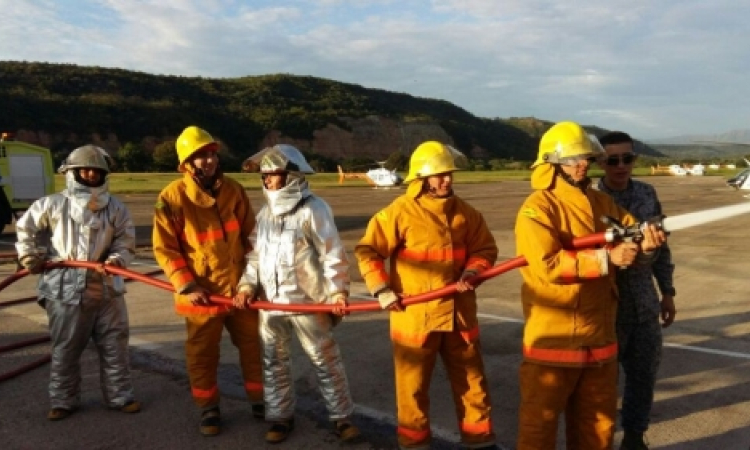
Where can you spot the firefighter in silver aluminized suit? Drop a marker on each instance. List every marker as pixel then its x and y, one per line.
pixel 82 223
pixel 297 258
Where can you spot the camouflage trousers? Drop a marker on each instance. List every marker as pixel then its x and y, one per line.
pixel 640 347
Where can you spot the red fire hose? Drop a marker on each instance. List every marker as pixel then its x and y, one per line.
pixel 38 340
pixel 368 305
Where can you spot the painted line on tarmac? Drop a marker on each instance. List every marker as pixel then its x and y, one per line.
pixel 500 318
pixel 711 351
pixel 144 344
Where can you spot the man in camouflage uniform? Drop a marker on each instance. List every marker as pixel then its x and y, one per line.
pixel 638 329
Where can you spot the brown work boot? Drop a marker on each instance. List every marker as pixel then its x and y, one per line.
pixel 633 441
pixel 210 424
pixel 58 413
pixel 279 431
pixel 346 430
pixel 131 407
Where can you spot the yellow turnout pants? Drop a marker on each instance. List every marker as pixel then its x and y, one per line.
pixel 465 369
pixel 202 351
pixel 587 396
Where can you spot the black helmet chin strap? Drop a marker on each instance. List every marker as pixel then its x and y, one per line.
pixel 199 175
pixel 583 184
pixel 431 190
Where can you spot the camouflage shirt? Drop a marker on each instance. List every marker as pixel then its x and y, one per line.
pixel 639 300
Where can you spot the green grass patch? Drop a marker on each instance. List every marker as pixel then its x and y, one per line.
pixel 144 183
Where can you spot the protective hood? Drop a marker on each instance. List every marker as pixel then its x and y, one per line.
pixel 85 197
pixel 283 200
pixel 543 176
pixel 414 190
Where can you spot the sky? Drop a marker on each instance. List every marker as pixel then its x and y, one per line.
pixel 652 68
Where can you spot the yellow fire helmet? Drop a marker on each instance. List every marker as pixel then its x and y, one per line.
pixel 566 140
pixel 432 158
pixel 191 140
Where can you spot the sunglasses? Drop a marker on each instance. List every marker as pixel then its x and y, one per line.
pixel 626 158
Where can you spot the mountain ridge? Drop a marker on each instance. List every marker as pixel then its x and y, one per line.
pixel 65 105
pixel 741 136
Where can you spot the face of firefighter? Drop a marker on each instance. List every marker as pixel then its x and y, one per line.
pixel 274 181
pixel 618 165
pixel 88 176
pixel 205 162
pixel 439 185
pixel 578 171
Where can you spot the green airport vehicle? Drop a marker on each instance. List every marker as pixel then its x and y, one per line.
pixel 26 174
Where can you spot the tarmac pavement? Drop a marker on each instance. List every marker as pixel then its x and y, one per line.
pixel 168 418
pixel 702 398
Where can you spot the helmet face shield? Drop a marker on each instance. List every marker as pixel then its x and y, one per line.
pixel 460 161
pixel 276 162
pixel 576 160
pixel 278 159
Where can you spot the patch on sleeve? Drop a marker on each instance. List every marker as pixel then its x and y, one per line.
pixel 382 215
pixel 530 213
pixel 159 204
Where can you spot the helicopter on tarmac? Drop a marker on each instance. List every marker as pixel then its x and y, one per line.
pixel 379 178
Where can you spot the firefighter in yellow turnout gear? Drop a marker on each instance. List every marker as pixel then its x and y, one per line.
pixel 570 297
pixel 433 239
pixel 202 224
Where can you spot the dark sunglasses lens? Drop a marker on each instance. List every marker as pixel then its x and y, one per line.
pixel 615 160
pixel 591 159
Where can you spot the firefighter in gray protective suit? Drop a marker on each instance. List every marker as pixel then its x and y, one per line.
pixel 82 223
pixel 297 258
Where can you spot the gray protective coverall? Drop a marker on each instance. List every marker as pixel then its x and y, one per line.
pixel 85 224
pixel 298 258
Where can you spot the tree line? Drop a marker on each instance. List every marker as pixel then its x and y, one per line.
pixel 70 102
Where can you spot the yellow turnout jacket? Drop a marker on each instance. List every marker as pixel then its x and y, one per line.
pixel 569 296
pixel 430 243
pixel 200 239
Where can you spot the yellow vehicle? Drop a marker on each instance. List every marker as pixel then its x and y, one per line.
pixel 26 174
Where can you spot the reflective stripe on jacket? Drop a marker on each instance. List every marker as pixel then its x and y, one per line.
pixel 430 243
pixel 569 296
pixel 202 239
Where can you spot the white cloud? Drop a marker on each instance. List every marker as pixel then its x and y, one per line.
pixel 622 64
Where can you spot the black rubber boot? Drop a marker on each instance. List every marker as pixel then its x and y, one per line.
pixel 633 441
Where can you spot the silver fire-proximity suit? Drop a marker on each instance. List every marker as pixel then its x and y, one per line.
pixel 298 258
pixel 85 224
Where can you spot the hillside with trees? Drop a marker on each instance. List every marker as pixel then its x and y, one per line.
pixel 137 116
